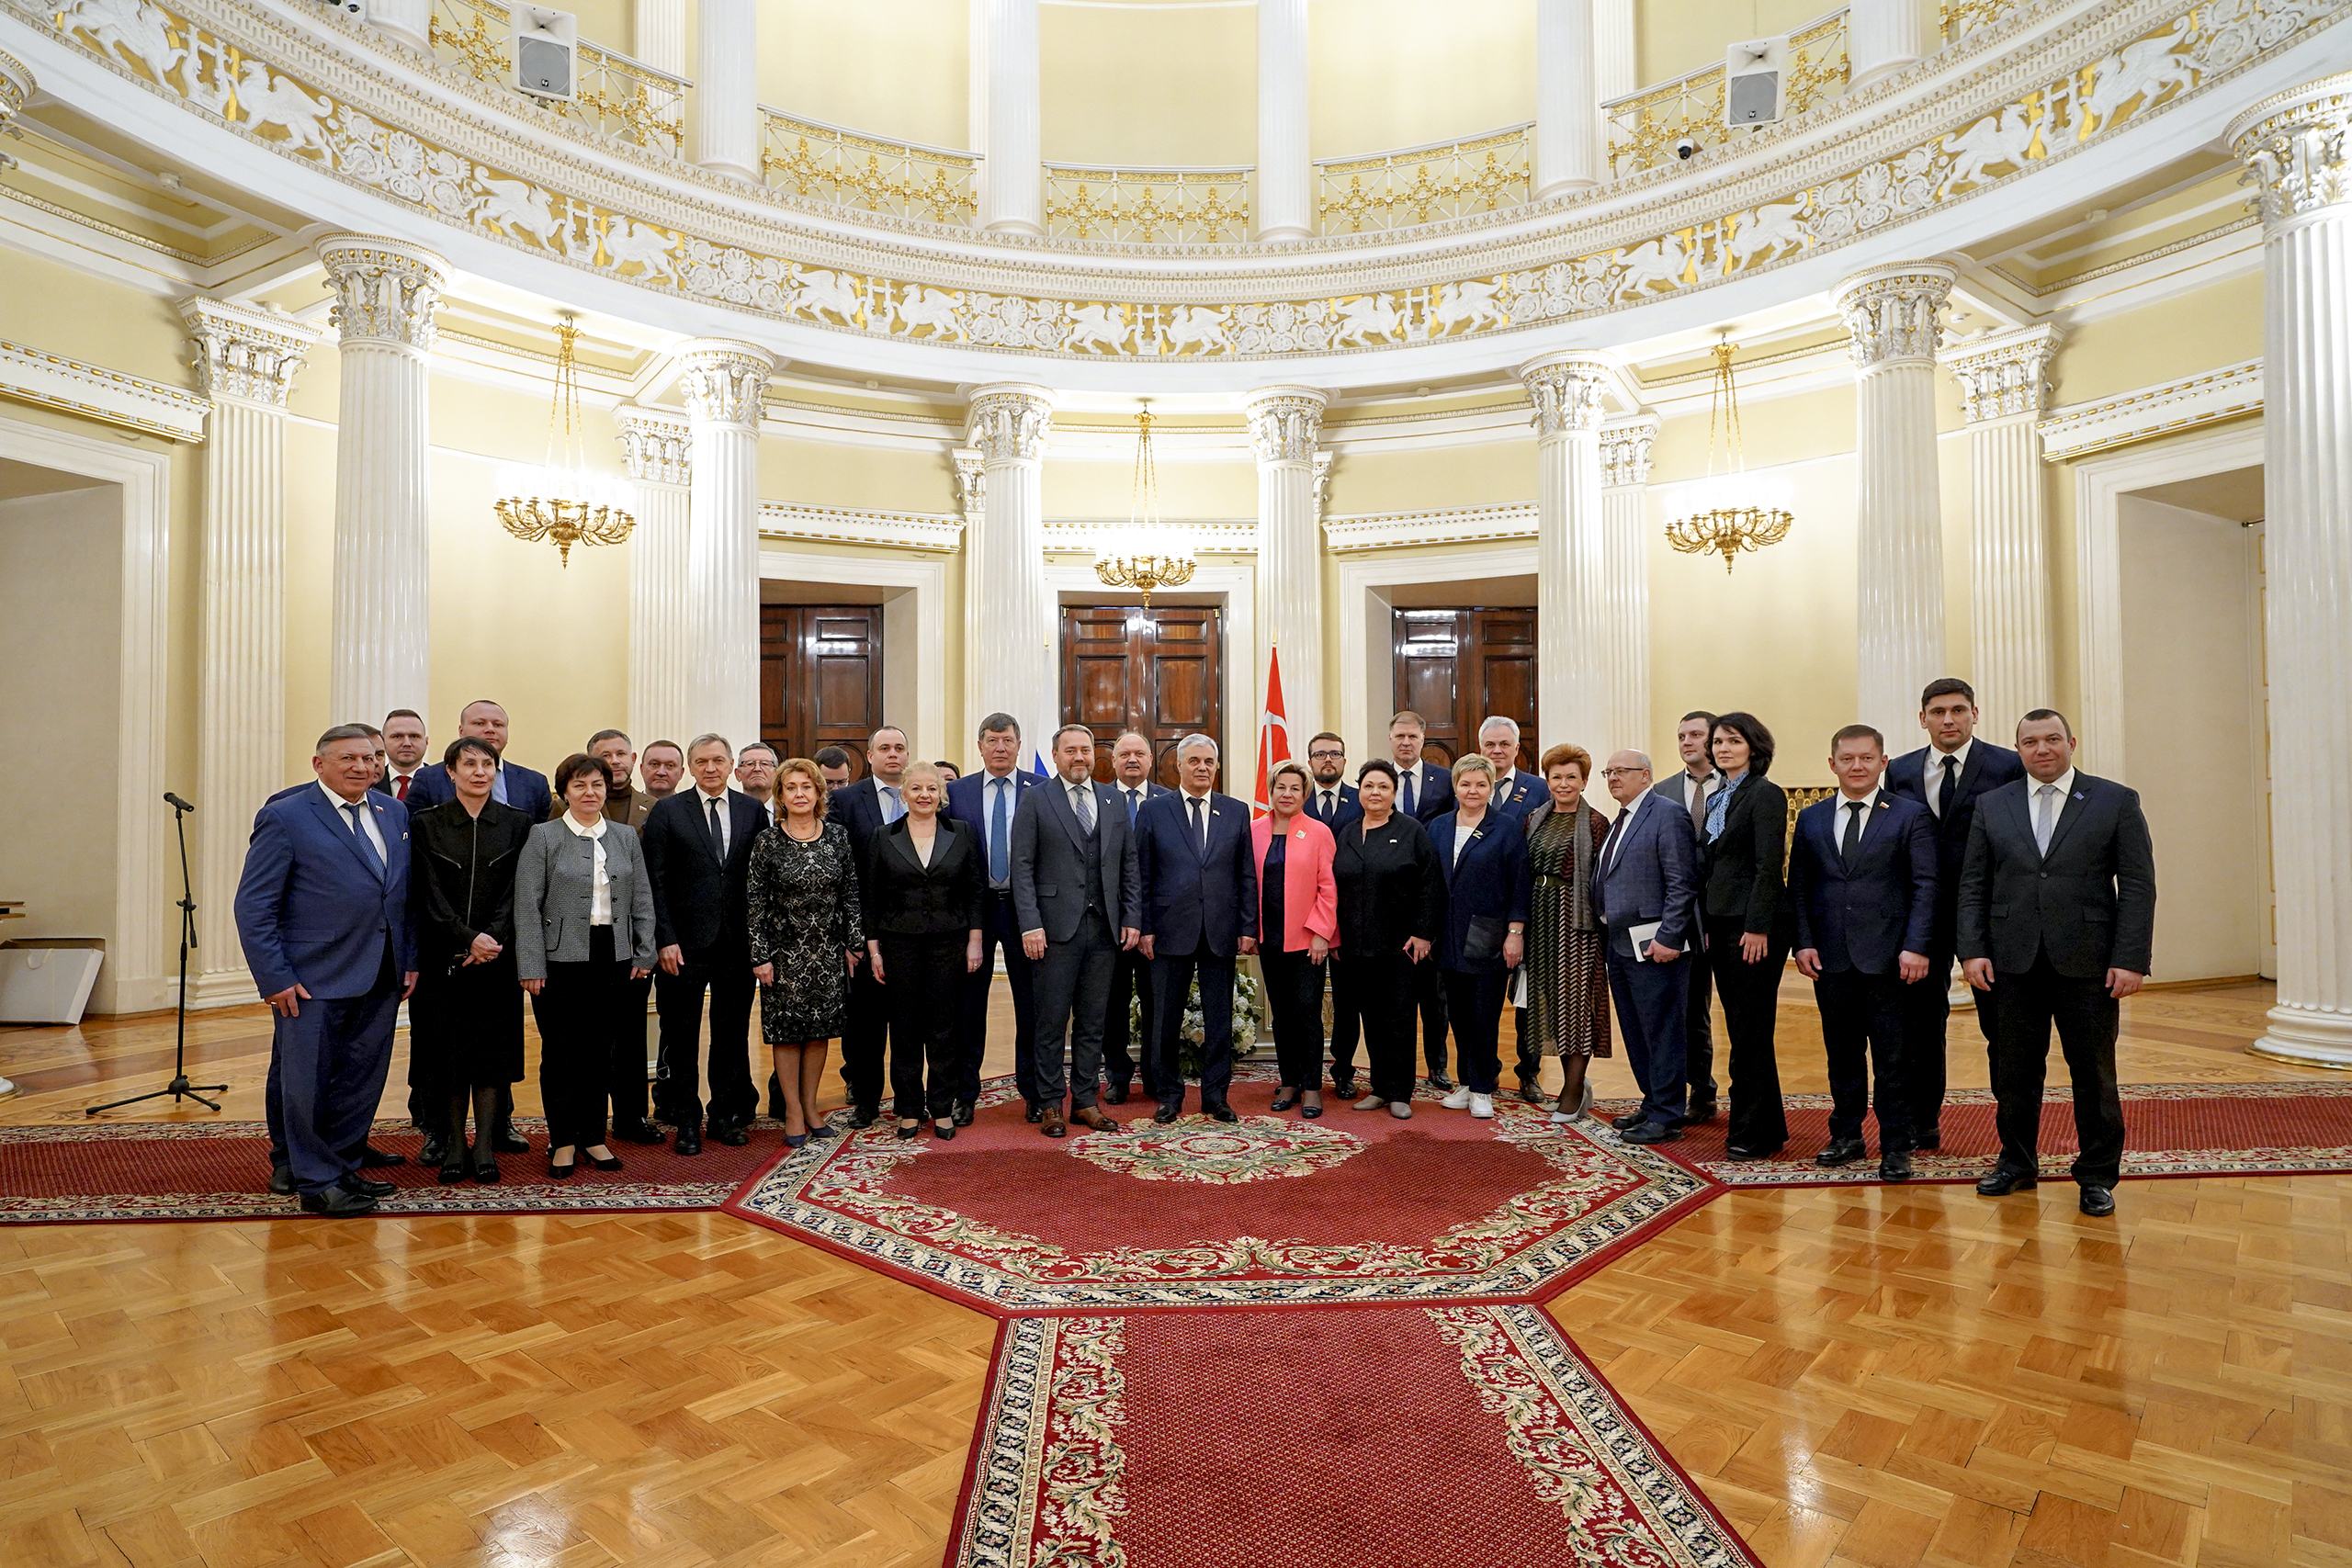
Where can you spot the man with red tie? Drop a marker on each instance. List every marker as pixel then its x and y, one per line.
pixel 404 747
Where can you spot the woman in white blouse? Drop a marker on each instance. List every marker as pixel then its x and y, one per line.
pixel 584 929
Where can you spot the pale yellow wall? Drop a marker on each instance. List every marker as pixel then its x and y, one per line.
pixel 1197 491
pixel 1389 73
pixel 1498 474
pixel 891 68
pixel 818 473
pixel 2213 327
pixel 1149 84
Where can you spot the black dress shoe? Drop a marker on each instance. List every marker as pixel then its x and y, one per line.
pixel 1342 1088
pixel 1895 1167
pixel 638 1132
pixel 486 1169
pixel 962 1115
pixel 732 1135
pixel 2001 1183
pixel 453 1171
pixel 1036 1111
pixel 562 1172
pixel 1627 1123
pixel 865 1116
pixel 1441 1083
pixel 689 1141
pixel 373 1158
pixel 1221 1114
pixel 1653 1133
pixel 1841 1151
pixel 354 1182
pixel 434 1147
pixel 1700 1112
pixel 1115 1094
pixel 1747 1156
pixel 281 1180
pixel 2098 1202
pixel 506 1142
pixel 1529 1094
pixel 944 1131
pixel 1169 1111
pixel 338 1203
pixel 610 1162
pixel 1284 1100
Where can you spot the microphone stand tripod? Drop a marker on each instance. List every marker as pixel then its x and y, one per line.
pixel 179 1087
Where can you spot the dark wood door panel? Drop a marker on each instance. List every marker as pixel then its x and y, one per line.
pixel 1455 666
pixel 1161 673
pixel 820 677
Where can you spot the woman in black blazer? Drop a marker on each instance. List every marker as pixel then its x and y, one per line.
pixel 1392 907
pixel 1484 855
pixel 923 885
pixel 1749 923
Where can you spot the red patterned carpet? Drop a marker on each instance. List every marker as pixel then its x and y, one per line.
pixel 220 1171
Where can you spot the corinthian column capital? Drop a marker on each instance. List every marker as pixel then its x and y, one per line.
pixel 1285 423
pixel 1889 312
pixel 1007 420
pixel 1567 391
pixel 243 353
pixel 15 85
pixel 1626 451
pixel 2002 374
pixel 2296 147
pixel 723 380
pixel 386 292
pixel 657 445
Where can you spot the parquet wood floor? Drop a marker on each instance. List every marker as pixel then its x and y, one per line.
pixel 1863 1377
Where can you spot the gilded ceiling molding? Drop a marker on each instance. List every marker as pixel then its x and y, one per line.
pixel 245 354
pixel 657 445
pixel 16 86
pixel 723 382
pixel 1889 312
pixel 54 381
pixel 2004 375
pixel 386 291
pixel 1625 450
pixel 1222 537
pixel 1448 526
pixel 1285 423
pixel 2078 429
pixel 1007 422
pixel 2298 150
pixel 849 525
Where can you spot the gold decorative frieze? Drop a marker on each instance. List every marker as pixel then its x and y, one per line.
pixel 1449 525
pixel 846 525
pixel 54 381
pixel 2077 430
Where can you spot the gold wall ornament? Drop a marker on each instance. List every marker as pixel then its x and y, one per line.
pixel 1145 558
pixel 1730 513
pixel 563 501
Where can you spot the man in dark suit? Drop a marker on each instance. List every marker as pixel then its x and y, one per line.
pixel 1645 888
pixel 1862 876
pixel 1517 792
pixel 699 858
pixel 323 915
pixel 986 801
pixel 1199 872
pixel 1424 792
pixel 2057 915
pixel 1332 802
pixel 515 786
pixel 1124 1052
pixel 865 808
pixel 1075 892
pixel 1947 776
pixel 1691 787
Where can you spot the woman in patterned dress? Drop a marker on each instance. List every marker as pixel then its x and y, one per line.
pixel 1567 989
pixel 807 937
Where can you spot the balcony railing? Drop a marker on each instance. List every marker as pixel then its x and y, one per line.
pixel 1644 127
pixel 1961 17
pixel 1420 185
pixel 905 179
pixel 1153 207
pixel 617 96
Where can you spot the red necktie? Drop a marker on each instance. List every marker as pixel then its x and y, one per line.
pixel 399 787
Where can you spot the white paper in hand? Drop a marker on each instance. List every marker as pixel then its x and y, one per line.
pixel 1642 936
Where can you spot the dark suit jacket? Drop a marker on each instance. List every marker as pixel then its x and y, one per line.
pixel 903 897
pixel 1345 811
pixel 1050 870
pixel 1196 899
pixel 311 907
pixel 967 803
pixel 2090 903
pixel 1522 795
pixel 1437 792
pixel 1989 767
pixel 1486 890
pixel 858 807
pixel 1150 792
pixel 1740 870
pixel 1865 916
pixel 1391 887
pixel 525 791
pixel 1652 876
pixel 697 901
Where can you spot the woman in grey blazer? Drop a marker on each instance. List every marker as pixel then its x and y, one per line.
pixel 583 929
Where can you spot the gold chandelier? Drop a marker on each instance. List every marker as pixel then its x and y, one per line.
pixel 1144 558
pixel 1730 513
pixel 562 500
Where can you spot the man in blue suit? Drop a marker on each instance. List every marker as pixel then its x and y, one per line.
pixel 515 786
pixel 1646 885
pixel 1199 872
pixel 1425 792
pixel 1124 1041
pixel 1947 775
pixel 988 802
pixel 323 915
pixel 1862 875
pixel 864 808
pixel 1332 801
pixel 1517 792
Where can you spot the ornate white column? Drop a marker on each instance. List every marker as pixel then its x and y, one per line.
pixel 1285 170
pixel 246 361
pixel 1889 312
pixel 1573 628
pixel 404 21
pixel 1614 74
pixel 971 505
pixel 1625 576
pixel 1014 193
pixel 1009 612
pixel 2299 147
pixel 722 381
pixel 1285 423
pixel 1567 107
pixel 658 445
pixel 2004 395
pixel 385 294
pixel 726 89
pixel 658 36
pixel 1884 36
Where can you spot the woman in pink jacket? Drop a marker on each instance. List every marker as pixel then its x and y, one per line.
pixel 1298 921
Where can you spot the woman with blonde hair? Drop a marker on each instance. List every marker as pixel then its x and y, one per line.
pixel 1483 853
pixel 807 937
pixel 924 884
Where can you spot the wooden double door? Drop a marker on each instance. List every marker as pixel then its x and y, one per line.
pixel 1160 672
pixel 820 678
pixel 1455 667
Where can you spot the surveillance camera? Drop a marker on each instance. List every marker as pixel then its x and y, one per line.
pixel 1685 148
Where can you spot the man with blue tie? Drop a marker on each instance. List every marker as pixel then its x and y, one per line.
pixel 1199 871
pixel 1425 792
pixel 1122 1052
pixel 515 784
pixel 986 801
pixel 1517 792
pixel 1646 892
pixel 1862 876
pixel 864 808
pixel 322 914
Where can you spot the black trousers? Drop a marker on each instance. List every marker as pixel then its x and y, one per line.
pixel 1698 1033
pixel 725 971
pixel 999 932
pixel 923 979
pixel 1125 1050
pixel 583 1018
pixel 2025 1006
pixel 1073 980
pixel 1295 997
pixel 1474 1005
pixel 865 1041
pixel 1862 1031
pixel 1751 996
pixel 1172 986
pixel 1379 988
pixel 628 1085
pixel 1429 994
pixel 1926 1015
pixel 1347 1023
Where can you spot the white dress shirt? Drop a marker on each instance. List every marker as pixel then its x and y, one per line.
pixel 367 819
pixel 1208 810
pixel 1330 794
pixel 2065 785
pixel 600 897
pixel 726 818
pixel 1931 777
pixel 1616 843
pixel 1869 811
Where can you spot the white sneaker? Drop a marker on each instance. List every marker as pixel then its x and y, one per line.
pixel 1460 1101
pixel 1559 1116
pixel 1482 1105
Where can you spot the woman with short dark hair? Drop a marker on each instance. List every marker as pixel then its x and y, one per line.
pixel 1748 924
pixel 1390 900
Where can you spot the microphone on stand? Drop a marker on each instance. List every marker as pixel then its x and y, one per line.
pixel 175 802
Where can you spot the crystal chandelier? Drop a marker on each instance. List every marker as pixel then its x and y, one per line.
pixel 1144 557
pixel 1730 511
pixel 562 500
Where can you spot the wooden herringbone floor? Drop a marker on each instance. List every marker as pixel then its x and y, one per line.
pixel 1873 1377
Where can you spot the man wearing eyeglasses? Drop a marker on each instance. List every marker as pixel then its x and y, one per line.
pixel 1645 888
pixel 1332 802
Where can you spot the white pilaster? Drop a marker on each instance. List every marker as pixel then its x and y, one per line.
pixel 1574 630
pixel 403 21
pixel 1890 313
pixel 2299 147
pixel 1010 616
pixel 722 381
pixel 385 295
pixel 1285 423
pixel 2004 395
pixel 246 361
pixel 658 445
pixel 1014 193
pixel 726 89
pixel 1614 74
pixel 1285 171
pixel 1884 36
pixel 1625 527
pixel 1568 105
pixel 658 36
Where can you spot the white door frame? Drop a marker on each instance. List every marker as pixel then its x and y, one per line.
pixel 914 632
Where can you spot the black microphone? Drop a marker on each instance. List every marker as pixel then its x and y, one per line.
pixel 175 802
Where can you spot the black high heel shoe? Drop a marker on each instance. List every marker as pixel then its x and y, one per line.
pixel 561 1172
pixel 610 1162
pixel 486 1169
pixel 1309 1113
pixel 1285 1098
